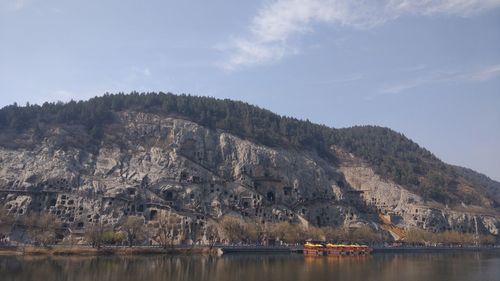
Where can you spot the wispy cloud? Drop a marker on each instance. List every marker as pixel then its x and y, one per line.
pixel 146 72
pixel 132 78
pixel 345 79
pixel 19 4
pixel 13 5
pixel 402 86
pixel 22 5
pixel 486 73
pixel 476 75
pixel 278 21
pixel 138 73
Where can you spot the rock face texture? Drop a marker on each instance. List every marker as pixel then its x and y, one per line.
pixel 406 209
pixel 147 164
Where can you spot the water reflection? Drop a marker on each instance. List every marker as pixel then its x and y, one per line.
pixel 407 267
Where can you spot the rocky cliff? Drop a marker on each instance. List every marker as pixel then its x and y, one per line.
pixel 146 164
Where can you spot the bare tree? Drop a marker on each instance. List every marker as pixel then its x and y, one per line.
pixel 168 229
pixel 134 229
pixel 337 234
pixel 295 233
pixel 315 233
pixel 253 231
pixel 287 232
pixel 94 234
pixel 42 228
pixel 234 228
pixel 211 234
pixel 274 232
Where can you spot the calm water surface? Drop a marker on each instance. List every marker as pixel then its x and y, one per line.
pixel 387 267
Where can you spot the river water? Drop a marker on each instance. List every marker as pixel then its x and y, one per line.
pixel 472 266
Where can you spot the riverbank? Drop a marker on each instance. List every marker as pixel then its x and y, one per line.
pixel 217 250
pixel 243 249
pixel 103 251
pixel 433 249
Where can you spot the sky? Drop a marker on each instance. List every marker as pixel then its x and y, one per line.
pixel 429 69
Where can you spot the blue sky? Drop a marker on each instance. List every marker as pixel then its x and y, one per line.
pixel 429 68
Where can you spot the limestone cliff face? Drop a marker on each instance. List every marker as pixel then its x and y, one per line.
pixel 147 164
pixel 406 209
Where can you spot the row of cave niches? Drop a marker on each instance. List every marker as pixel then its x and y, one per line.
pixel 437 227
pixel 66 209
pixel 325 217
pixel 422 221
pixel 185 222
pixel 170 195
pixel 266 215
pixel 282 193
pixel 14 209
pixel 71 212
pixel 134 210
pixel 60 184
pixel 151 213
pixel 270 196
pixel 39 202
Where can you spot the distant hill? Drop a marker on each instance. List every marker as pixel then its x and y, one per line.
pixel 490 187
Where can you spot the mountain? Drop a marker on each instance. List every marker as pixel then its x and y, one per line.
pixel 203 158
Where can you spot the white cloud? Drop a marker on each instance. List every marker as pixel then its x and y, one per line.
pixel 486 73
pixel 399 87
pixel 146 72
pixel 249 53
pixel 345 79
pixel 19 4
pixel 13 5
pixel 279 20
pixel 476 75
pixel 135 73
pixel 443 7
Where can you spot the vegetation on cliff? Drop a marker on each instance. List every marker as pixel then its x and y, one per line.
pixel 392 155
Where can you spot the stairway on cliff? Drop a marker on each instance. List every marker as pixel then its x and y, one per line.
pixel 397 233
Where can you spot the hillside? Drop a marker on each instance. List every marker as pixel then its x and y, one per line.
pixel 200 160
pixel 392 155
